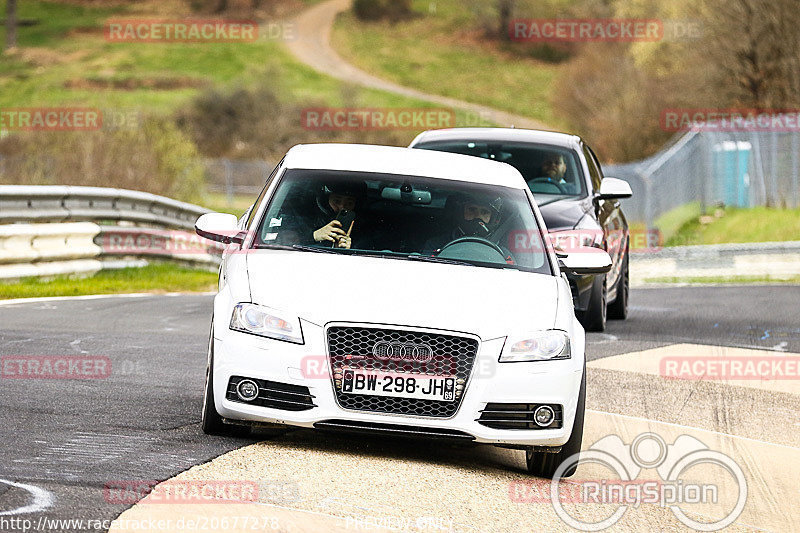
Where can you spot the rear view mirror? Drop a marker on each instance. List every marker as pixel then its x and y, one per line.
pixel 406 194
pixel 612 188
pixel 219 227
pixel 585 260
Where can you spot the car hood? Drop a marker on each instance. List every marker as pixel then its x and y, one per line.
pixel 322 288
pixel 563 213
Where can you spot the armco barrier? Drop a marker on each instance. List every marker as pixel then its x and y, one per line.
pixel 46 203
pixel 52 230
pixel 35 250
pixel 773 259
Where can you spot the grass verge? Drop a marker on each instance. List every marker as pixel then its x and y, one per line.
pixel 439 52
pixel 237 205
pixel 732 280
pixel 155 278
pixel 736 225
pixel 64 59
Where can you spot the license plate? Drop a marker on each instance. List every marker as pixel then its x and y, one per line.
pixel 440 388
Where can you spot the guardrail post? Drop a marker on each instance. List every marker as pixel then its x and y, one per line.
pixel 795 168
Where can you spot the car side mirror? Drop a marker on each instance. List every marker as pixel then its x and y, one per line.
pixel 585 260
pixel 219 227
pixel 613 188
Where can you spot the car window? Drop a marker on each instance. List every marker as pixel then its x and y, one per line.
pixel 254 208
pixel 594 167
pixel 548 170
pixel 404 217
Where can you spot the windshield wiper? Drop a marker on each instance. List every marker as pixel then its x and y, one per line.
pixel 434 259
pixel 317 249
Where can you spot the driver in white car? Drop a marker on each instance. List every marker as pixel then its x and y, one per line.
pixel 473 216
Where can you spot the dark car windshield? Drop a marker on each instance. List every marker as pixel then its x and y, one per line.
pixel 403 217
pixel 549 170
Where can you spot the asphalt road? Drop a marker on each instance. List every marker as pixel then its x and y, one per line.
pixel 66 439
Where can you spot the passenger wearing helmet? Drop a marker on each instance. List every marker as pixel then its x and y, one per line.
pixel 474 216
pixel 317 223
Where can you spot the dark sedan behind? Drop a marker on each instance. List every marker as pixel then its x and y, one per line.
pixel 579 205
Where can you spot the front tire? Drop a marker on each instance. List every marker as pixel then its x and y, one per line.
pixel 594 318
pixel 212 423
pixel 543 464
pixel 619 309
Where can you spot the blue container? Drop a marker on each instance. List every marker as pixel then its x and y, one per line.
pixel 731 164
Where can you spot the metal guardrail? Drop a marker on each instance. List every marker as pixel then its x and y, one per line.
pixel 52 230
pixel 741 168
pixel 54 203
pixel 777 260
pixel 701 251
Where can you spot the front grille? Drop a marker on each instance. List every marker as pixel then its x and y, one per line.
pixel 517 416
pixel 423 353
pixel 351 426
pixel 274 395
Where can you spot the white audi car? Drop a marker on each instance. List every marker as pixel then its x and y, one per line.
pixel 397 291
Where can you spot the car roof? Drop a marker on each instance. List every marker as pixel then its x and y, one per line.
pixel 553 138
pixel 403 161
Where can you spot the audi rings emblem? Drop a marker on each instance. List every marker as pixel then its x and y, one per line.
pixel 402 351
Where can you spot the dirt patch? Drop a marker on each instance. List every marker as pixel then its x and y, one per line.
pixel 133 84
pixel 86 30
pixel 262 10
pixel 45 57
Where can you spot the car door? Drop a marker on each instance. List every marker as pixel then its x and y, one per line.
pixel 609 217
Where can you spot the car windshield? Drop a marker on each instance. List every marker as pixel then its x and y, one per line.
pixel 403 217
pixel 550 171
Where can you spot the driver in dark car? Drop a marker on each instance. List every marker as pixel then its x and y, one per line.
pixel 554 167
pixel 474 216
pixel 552 175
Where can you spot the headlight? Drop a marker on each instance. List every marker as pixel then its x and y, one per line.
pixel 266 322
pixel 541 346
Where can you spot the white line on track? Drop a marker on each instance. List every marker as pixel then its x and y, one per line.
pixel 16 301
pixel 42 499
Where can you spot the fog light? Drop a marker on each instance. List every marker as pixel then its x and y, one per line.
pixel 543 416
pixel 247 390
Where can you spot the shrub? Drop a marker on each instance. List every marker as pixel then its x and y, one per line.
pixel 255 123
pixel 392 10
pixel 155 156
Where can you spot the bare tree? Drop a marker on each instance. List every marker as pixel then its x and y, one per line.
pixel 11 24
pixel 504 10
pixel 754 45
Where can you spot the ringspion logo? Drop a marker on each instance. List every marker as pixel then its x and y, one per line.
pixel 688 477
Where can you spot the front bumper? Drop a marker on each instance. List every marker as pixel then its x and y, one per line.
pixel 546 382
